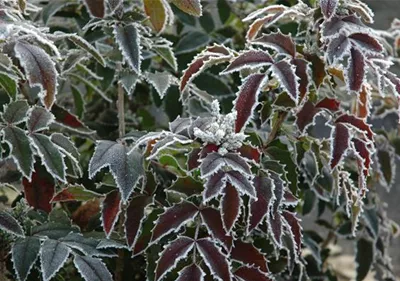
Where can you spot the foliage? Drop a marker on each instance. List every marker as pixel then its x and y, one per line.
pixel 242 118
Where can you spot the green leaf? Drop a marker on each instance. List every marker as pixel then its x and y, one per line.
pixel 192 41
pixel 207 22
pixel 66 145
pixel 128 81
pixel 224 10
pixel 364 257
pixel 53 230
pixel 75 193
pixel 50 155
pixel 39 119
pixel 24 254
pixel 53 256
pixel 78 101
pixel 10 225
pixel 90 85
pixel 9 85
pixel 167 54
pixel 191 7
pixel 212 84
pixel 128 40
pixel 157 12
pixel 16 112
pixel 92 269
pixel 160 81
pixel 21 150
pixel 53 7
pixel 86 245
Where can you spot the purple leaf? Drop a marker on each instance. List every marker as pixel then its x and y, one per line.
pixel 230 207
pixel 259 208
pixel 249 59
pixel 355 71
pixel 173 219
pixel 275 228
pixel 241 183
pixel 96 7
pixel 173 253
pixel 214 161
pixel 358 123
pixel 341 142
pixel 247 254
pixel 9 224
pixel 191 273
pixel 366 42
pixel 295 229
pixel 246 273
pixel 279 42
pixel 135 215
pixel 214 259
pixel 302 71
pixel 110 210
pixel 212 220
pixel 335 24
pixel 305 116
pixel 193 159
pixel 285 73
pixel 337 49
pixel 246 100
pixel 214 185
pixel 328 7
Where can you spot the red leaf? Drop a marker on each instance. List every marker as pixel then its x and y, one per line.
pixel 249 255
pixel 355 70
pixel 65 118
pixel 364 153
pixel 246 100
pixel 249 59
pixel 246 273
pixel 218 49
pixel 341 138
pixel 214 185
pixel 289 198
pixel 362 108
pixel 336 23
pixel 275 228
pixel 96 7
pixel 193 159
pixel 135 214
pixel 295 228
pixel 285 73
pixel 230 207
pixel 170 257
pixel 214 259
pixel 366 42
pixel 173 219
pixel 305 116
pixel 330 104
pixel 328 7
pixel 259 23
pixel 250 152
pixel 193 69
pixel 110 210
pixel 259 209
pixel 241 183
pixel 279 42
pixel 191 273
pixel 302 73
pixel 337 48
pixel 40 190
pixel 209 148
pixel 357 123
pixel 212 220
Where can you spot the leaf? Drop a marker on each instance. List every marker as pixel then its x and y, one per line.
pixel 249 60
pixel 75 192
pixel 191 273
pixel 161 81
pixel 250 152
pixel 173 219
pixel 214 161
pixel 24 254
pixel 364 257
pixel 355 71
pixel 50 155
pixel 214 259
pixel 67 120
pixel 86 46
pixel 214 185
pixel 40 70
pixel 66 146
pixel 127 169
pixel 333 26
pixel 110 210
pixel 241 183
pixel 275 228
pixel 16 112
pixel 249 255
pixel 212 220
pixel 52 8
pixel 195 67
pixel 53 255
pixel 191 7
pixel 357 123
pixel 86 245
pixel 230 207
pixel 20 149
pixel 156 11
pixel 39 119
pixel 306 115
pixel 328 7
pixel 387 166
pixel 246 273
pixel 259 209
pixel 53 230
pixel 247 99
pixel 135 215
pixel 128 40
pixel 96 8
pixel 362 151
pixel 10 225
pixel 341 142
pixel 279 42
pixel 303 72
pixel 366 42
pixel 92 269
pixel 40 190
pixel 330 104
pixel 294 227
pixel 286 75
pixel 168 55
pixel 173 253
pixel 191 41
pixel 224 10
pixel 337 49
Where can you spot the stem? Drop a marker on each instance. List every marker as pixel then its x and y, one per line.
pixel 275 129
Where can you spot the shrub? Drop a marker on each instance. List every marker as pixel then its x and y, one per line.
pixel 181 140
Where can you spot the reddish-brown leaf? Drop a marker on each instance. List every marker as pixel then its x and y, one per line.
pixel 212 220
pixel 275 228
pixel 193 69
pixel 259 23
pixel 337 49
pixel 341 138
pixel 246 273
pixel 295 229
pixel 246 100
pixel 96 7
pixel 328 7
pixel 191 273
pixel 302 73
pixel 173 219
pixel 285 73
pixel 65 118
pixel 364 153
pixel 357 123
pixel 330 104
pixel 214 259
pixel 135 215
pixel 282 43
pixel 366 42
pixel 191 7
pixel 355 70
pixel 305 115
pixel 363 103
pixel 247 254
pixel 230 207
pixel 249 59
pixel 250 152
pixel 214 185
pixel 193 159
pixel 110 210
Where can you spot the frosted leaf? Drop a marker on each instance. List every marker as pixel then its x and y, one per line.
pixel 269 9
pixel 39 69
pixel 161 81
pixel 337 49
pixel 248 254
pixel 39 119
pixel 341 143
pixel 304 73
pixel 156 10
pixel 214 185
pixel 135 215
pixel 15 112
pixel 334 26
pixel 275 228
pixel 213 162
pixel 266 21
pixel 75 192
pixel 86 245
pixel 249 60
pixel 191 7
pixel 285 73
pixel 294 227
pixel 246 273
pixel 167 142
pixel 328 7
pixel 366 42
pixel 96 8
pixel 180 126
pixel 127 169
pixel 128 40
pixel 10 225
pixel 230 207
pixel 241 183
pixel 128 81
pixel 66 146
pixel 212 220
pixel 357 123
pixel 279 42
pixel 24 254
pixel 355 71
pixel 191 273
pixel 53 256
pixel 92 269
pixel 110 209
